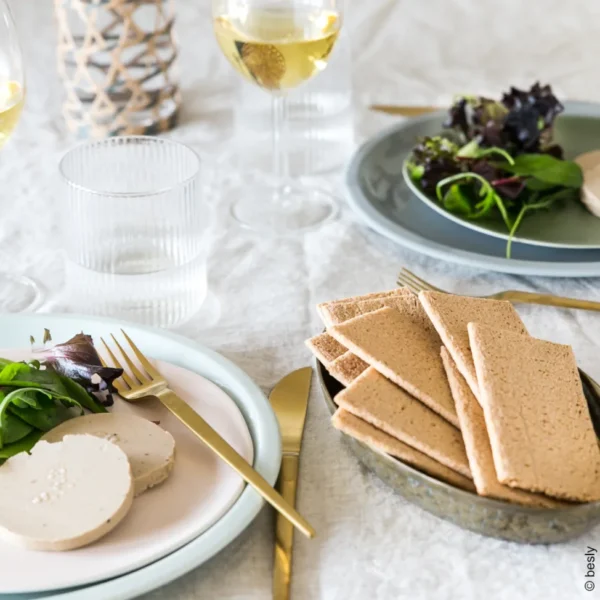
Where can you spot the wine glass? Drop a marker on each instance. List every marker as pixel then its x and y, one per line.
pixel 278 45
pixel 17 293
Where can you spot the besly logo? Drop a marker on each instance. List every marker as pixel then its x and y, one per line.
pixel 590 556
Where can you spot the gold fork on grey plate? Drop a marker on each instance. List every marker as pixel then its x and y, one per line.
pixel 416 284
pixel 150 383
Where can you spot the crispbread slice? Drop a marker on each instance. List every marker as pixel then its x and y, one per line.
pixel 477 444
pixel 450 315
pixel 323 307
pixel 347 368
pixel 404 348
pixel 536 415
pixel 338 312
pixel 338 360
pixel 382 442
pixel 388 407
pixel 326 348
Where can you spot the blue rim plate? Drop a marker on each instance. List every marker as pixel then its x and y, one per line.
pixel 247 395
pixel 380 197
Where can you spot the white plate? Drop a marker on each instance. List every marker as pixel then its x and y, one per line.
pixel 200 492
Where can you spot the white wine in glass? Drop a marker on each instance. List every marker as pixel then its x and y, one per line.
pixel 281 48
pixel 278 45
pixel 12 98
pixel 17 293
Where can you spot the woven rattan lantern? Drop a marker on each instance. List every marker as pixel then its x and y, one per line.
pixel 117 60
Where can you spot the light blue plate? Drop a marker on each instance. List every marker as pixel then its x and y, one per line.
pixel 380 197
pixel 14 333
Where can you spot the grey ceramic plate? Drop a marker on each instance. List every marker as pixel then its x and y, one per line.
pixel 476 513
pixel 568 226
pixel 381 198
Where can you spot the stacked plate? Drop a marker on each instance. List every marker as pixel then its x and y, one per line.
pixel 180 524
pixel 562 242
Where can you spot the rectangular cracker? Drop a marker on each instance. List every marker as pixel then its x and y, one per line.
pixel 405 348
pixel 477 444
pixel 341 363
pixel 325 348
pixel 450 315
pixel 382 442
pixel 536 415
pixel 382 403
pixel 334 313
pixel 347 368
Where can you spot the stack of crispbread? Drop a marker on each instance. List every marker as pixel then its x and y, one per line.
pixel 456 388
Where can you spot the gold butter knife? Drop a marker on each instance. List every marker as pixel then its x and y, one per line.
pixel 289 400
pixel 404 110
pixel 149 382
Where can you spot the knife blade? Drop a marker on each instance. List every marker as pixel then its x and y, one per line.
pixel 289 400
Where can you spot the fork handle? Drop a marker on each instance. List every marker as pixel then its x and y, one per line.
pixel 548 300
pixel 284 532
pixel 195 423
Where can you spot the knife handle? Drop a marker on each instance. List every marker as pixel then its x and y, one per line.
pixel 284 532
pixel 195 423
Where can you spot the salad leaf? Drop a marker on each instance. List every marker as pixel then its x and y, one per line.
pixel 14 429
pixel 50 412
pixel 521 122
pixel 78 360
pixel 79 393
pixel 457 199
pixel 22 398
pixel 434 158
pixel 25 444
pixel 547 170
pixel 497 159
pixel 22 375
pixel 35 397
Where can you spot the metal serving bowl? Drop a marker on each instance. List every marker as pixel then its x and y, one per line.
pixel 482 515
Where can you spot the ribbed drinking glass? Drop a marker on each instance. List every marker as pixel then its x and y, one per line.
pixel 134 225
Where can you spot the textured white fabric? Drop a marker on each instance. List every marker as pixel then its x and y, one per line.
pixel 371 543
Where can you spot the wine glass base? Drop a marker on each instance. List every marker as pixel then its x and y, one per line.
pixel 18 293
pixel 281 210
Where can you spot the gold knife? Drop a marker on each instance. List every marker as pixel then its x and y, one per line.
pixel 404 111
pixel 289 400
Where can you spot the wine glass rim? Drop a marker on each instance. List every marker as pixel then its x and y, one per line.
pixel 116 139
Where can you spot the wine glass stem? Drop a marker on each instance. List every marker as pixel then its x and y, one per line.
pixel 280 163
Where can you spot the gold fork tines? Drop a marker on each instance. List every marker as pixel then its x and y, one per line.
pixel 416 284
pixel 147 382
pixel 413 283
pixel 140 385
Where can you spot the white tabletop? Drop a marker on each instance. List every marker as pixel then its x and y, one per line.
pixel 371 543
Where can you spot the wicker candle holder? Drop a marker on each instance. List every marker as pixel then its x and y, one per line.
pixel 117 60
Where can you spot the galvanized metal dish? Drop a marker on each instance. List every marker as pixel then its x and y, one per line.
pixel 485 516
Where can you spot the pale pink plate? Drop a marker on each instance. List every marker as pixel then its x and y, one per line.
pixel 200 490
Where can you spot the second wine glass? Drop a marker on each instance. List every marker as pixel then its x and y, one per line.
pixel 17 292
pixel 278 46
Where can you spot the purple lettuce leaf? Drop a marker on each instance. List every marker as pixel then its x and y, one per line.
pixel 78 359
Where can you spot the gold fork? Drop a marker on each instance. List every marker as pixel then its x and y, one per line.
pixel 416 285
pixel 152 383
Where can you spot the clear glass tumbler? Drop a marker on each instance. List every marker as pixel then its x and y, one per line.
pixel 134 223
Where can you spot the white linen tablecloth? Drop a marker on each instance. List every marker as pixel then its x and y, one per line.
pixel 371 543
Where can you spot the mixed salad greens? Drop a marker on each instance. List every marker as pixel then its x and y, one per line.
pixel 38 395
pixel 498 159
